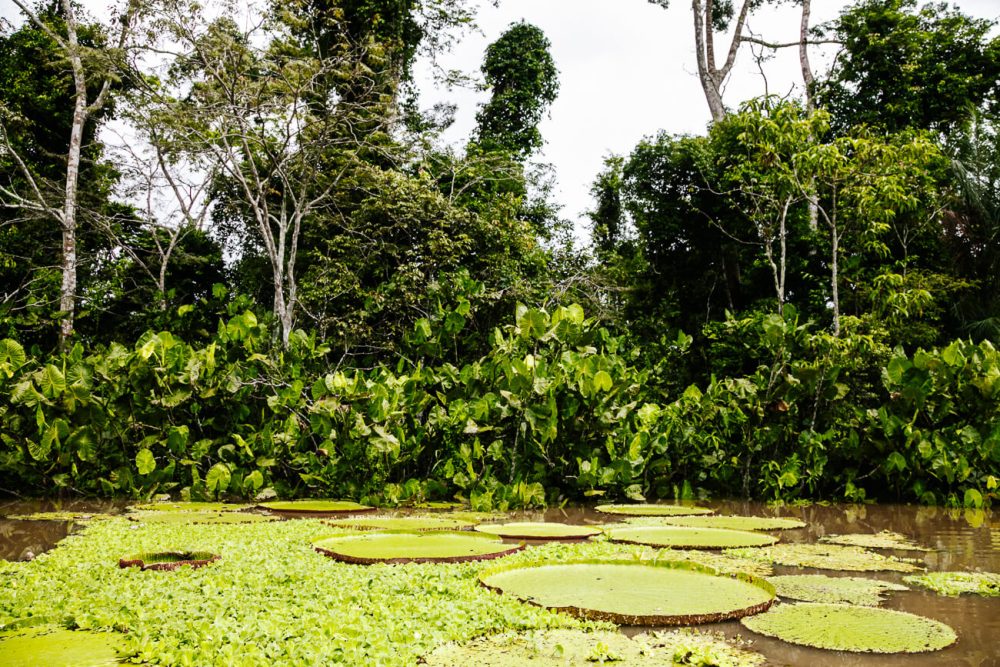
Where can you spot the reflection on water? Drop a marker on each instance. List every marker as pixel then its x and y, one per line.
pixel 958 539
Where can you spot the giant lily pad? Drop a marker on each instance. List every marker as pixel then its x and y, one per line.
pixel 680 537
pixel 168 560
pixel 841 627
pixel 187 507
pixel 727 522
pixel 559 648
pixel 198 517
pixel 652 510
pixel 316 507
pixel 539 531
pixel 826 557
pixel 986 584
pixel 883 540
pixel 820 588
pixel 414 547
pixel 55 647
pixel 59 516
pixel 634 593
pixel 401 523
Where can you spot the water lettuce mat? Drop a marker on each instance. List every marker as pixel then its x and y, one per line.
pixel 652 510
pixel 826 557
pixel 170 506
pixel 539 531
pixel 50 646
pixel 558 648
pixel 884 540
pixel 634 593
pixel 841 627
pixel 168 560
pixel 414 547
pixel 986 584
pixel 58 516
pixel 720 521
pixel 198 517
pixel 401 523
pixel 687 538
pixel 315 506
pixel 821 588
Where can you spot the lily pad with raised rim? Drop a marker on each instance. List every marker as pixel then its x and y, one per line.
pixel 538 531
pixel 634 593
pixel 199 517
pixel 414 547
pixel 559 648
pixel 171 506
pixel 168 560
pixel 679 537
pixel 59 516
pixel 986 584
pixel 840 627
pixel 56 647
pixel 418 523
pixel 720 521
pixel 315 507
pixel 833 590
pixel 652 510
pixel 884 540
pixel 826 557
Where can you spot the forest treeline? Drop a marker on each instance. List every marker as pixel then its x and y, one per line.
pixel 236 260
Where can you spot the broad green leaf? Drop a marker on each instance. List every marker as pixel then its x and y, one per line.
pixel 145 462
pixel 217 479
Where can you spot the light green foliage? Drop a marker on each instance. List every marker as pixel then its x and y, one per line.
pixel 190 517
pixel 55 647
pixel 688 538
pixel 315 506
pixel 538 530
pixel 986 584
pixel 390 522
pixel 653 510
pixel 847 628
pixel 58 516
pixel 884 540
pixel 187 507
pixel 826 557
pixel 573 647
pixel 634 593
pixel 727 522
pixel 430 546
pixel 820 588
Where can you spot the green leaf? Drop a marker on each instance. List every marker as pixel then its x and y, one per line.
pixel 145 462
pixel 12 356
pixel 973 498
pixel 217 479
pixel 52 381
pixel 602 381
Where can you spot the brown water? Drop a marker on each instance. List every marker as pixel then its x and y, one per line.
pixel 960 540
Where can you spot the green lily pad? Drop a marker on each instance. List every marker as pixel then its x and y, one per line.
pixel 414 547
pixel 986 584
pixel 575 647
pixel 315 506
pixel 841 627
pixel 634 593
pixel 438 505
pixel 539 531
pixel 199 517
pixel 727 522
pixel 59 516
pixel 826 557
pixel 680 537
pixel 401 523
pixel 56 647
pixel 820 588
pixel 884 540
pixel 653 510
pixel 187 507
pixel 168 560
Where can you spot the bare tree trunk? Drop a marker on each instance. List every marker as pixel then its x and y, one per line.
pixel 835 266
pixel 807 74
pixel 711 76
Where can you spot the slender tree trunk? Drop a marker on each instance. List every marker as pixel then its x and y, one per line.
pixel 807 74
pixel 704 45
pixel 835 267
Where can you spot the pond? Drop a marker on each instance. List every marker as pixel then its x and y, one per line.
pixel 957 540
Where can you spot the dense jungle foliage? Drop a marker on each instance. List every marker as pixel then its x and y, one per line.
pixel 287 285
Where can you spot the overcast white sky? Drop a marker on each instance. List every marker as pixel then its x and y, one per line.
pixel 627 70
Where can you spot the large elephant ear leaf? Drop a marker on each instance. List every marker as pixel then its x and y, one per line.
pixel 12 356
pixel 51 381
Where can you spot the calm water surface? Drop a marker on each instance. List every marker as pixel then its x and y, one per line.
pixel 960 540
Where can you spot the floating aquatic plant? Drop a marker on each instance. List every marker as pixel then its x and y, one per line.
pixel 59 516
pixel 826 557
pixel 634 593
pixel 51 646
pixel 168 560
pixel 307 507
pixel 848 628
pixel 652 510
pixel 178 506
pixel 687 538
pixel 574 647
pixel 720 521
pixel 401 523
pixel 820 588
pixel 538 531
pixel 986 584
pixel 414 547
pixel 189 517
pixel 884 540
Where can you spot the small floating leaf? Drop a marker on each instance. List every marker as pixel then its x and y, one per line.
pixel 826 557
pixel 538 531
pixel 986 584
pixel 634 593
pixel 55 647
pixel 414 547
pixel 728 522
pixel 820 588
pixel 401 523
pixel 315 506
pixel 652 510
pixel 845 628
pixel 884 540
pixel 168 560
pixel 688 538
